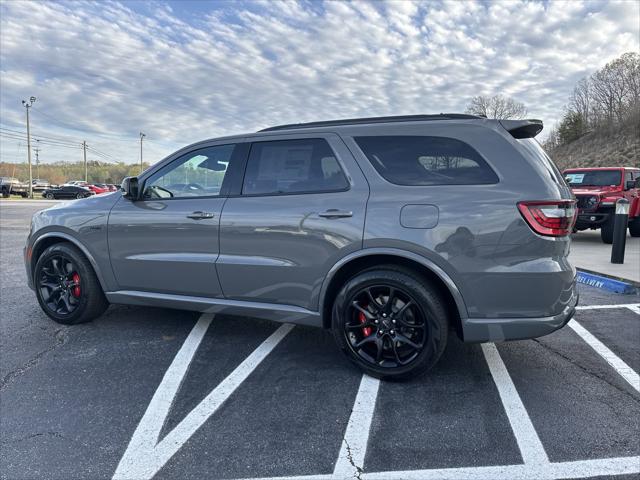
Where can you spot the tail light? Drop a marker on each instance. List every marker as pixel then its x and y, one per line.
pixel 553 218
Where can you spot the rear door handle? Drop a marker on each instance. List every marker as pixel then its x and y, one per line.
pixel 200 215
pixel 335 213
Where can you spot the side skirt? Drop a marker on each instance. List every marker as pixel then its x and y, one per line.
pixel 267 311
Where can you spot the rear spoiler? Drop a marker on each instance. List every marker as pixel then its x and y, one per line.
pixel 522 128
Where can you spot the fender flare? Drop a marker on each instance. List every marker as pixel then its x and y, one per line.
pixel 395 252
pixel 75 242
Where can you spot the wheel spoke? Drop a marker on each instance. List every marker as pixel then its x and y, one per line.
pixel 403 309
pixel 365 340
pixel 402 339
pixel 373 301
pixel 364 311
pixel 388 305
pixel 380 347
pixel 65 300
pixel 51 293
pixel 395 352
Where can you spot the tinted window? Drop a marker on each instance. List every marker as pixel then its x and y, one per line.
pixel 416 160
pixel 196 174
pixel 593 178
pixel 292 166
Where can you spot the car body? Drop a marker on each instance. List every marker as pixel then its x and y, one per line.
pixel 98 188
pixel 597 190
pixel 435 222
pixel 13 186
pixel 67 192
pixel 38 184
pixel 112 188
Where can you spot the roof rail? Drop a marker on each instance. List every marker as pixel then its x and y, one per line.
pixel 361 121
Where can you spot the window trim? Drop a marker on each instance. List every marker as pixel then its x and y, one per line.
pixel 486 162
pixel 302 192
pixel 231 174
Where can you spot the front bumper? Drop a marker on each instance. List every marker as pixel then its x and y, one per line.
pixel 590 220
pixel 501 329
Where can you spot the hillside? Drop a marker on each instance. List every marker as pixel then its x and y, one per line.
pixel 601 148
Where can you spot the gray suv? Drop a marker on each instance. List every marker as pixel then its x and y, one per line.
pixel 390 231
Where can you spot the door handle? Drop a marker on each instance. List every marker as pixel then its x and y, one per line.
pixel 200 215
pixel 335 213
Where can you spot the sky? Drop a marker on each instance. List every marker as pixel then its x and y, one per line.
pixel 183 71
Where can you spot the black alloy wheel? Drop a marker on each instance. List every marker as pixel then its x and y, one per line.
pixel 390 322
pixel 60 285
pixel 386 326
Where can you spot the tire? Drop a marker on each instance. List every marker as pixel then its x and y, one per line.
pixel 606 230
pixel 50 196
pixel 423 323
pixel 24 195
pixel 84 297
pixel 634 227
pixel 5 194
pixel 79 196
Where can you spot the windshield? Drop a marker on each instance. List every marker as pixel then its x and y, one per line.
pixel 594 178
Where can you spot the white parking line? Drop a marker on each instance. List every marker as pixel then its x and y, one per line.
pixel 529 443
pixel 354 444
pixel 624 370
pixel 145 456
pixel 632 306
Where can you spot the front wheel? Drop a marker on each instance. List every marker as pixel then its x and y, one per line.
pixel 79 196
pixel 49 196
pixel 390 323
pixel 67 287
pixel 606 230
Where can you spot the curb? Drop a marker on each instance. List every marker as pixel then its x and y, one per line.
pixel 606 283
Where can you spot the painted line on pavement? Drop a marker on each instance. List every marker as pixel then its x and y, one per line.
pixel 529 443
pixel 624 370
pixel 145 454
pixel 350 461
pixel 632 306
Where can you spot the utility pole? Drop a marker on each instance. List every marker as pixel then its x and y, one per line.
pixel 28 106
pixel 84 156
pixel 142 135
pixel 37 150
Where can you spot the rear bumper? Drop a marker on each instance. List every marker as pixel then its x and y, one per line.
pixel 501 329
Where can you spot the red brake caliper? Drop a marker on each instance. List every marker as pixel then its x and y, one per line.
pixel 363 319
pixel 76 280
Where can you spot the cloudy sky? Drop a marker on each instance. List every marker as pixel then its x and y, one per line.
pixel 187 70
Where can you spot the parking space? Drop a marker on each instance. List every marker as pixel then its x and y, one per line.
pixel 144 393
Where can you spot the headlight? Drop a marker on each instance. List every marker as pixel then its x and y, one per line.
pixel 592 201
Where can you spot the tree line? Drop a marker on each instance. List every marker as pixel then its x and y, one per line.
pixel 60 172
pixel 603 101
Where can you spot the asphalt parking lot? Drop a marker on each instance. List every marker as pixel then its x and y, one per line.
pixel 145 392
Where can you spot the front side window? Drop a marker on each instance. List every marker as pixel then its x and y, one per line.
pixel 292 166
pixel 196 174
pixel 422 160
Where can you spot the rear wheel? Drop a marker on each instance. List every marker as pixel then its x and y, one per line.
pixel 49 196
pixel 67 287
pixel 606 230
pixel 390 323
pixel 634 227
pixel 79 196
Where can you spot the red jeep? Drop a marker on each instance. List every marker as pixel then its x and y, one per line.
pixel 597 190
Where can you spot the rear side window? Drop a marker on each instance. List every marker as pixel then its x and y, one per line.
pixel 292 166
pixel 418 160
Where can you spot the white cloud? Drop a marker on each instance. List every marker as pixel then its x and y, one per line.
pixel 109 71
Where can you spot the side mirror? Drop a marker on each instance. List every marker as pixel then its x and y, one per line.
pixel 631 184
pixel 130 189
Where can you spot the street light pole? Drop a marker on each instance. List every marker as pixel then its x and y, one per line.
pixel 28 105
pixel 142 135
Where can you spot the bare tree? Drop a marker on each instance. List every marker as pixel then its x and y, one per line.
pixel 497 106
pixel 580 101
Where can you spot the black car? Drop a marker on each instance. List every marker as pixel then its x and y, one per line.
pixel 67 191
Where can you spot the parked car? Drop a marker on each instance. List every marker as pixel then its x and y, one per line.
pixel 597 190
pixel 389 231
pixel 99 188
pixel 67 191
pixel 13 186
pixel 38 184
pixel 112 188
pixel 81 183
